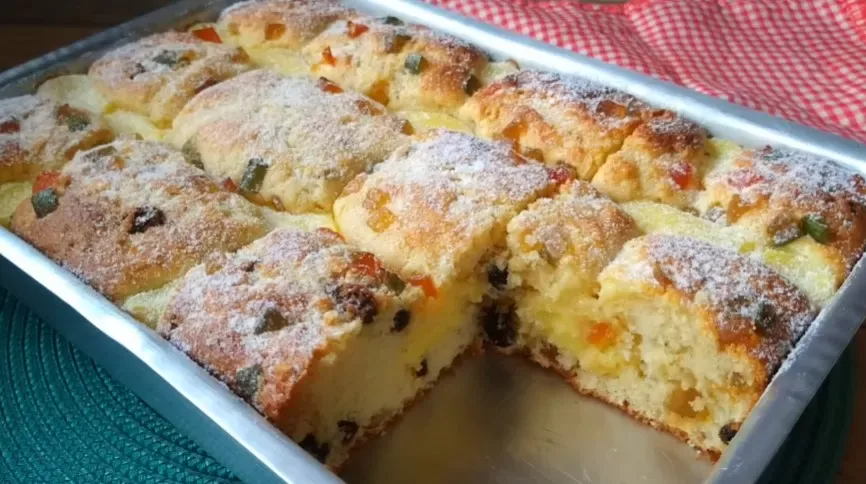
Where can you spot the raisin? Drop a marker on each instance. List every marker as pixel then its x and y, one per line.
pixel 312 446
pixel 171 59
pixel 497 277
pixel 728 432
pixel 394 282
pixel 45 202
pixel 499 323
pixel 191 154
pixel 271 320
pixel 137 69
pixel 144 218
pixel 401 320
pixel 422 369
pixel 395 43
pixel 357 301
pixel 74 119
pixel 248 380
pixel 765 318
pixel 349 429
pixel 471 85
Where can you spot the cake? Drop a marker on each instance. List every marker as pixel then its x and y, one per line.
pixel 311 217
pixel 312 333
pixel 131 216
pixel 293 143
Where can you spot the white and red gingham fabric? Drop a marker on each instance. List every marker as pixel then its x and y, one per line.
pixel 798 59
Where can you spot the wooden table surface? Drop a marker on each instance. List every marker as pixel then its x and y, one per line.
pixel 31 28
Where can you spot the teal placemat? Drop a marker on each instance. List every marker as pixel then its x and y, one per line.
pixel 64 419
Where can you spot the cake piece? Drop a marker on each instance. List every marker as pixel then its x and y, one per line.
pixel 663 160
pixel 313 333
pixel 556 119
pixel 435 212
pixel 292 143
pixel 156 75
pixel 285 24
pixel 37 134
pixel 133 215
pixel 403 66
pixel 783 196
pixel 556 249
pixel 699 332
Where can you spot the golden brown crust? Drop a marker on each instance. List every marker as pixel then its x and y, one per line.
pixel 753 311
pixel 401 65
pixel 438 206
pixel 778 189
pixel 131 216
pixel 156 75
pixel 662 160
pixel 275 308
pixel 312 139
pixel 555 118
pixel 287 24
pixel 37 134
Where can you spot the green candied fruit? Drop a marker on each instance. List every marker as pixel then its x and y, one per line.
pixel 392 20
pixel 415 63
pixel 254 175
pixel 45 202
pixel 248 380
pixel 817 228
pixel 191 154
pixel 271 320
pixel 171 59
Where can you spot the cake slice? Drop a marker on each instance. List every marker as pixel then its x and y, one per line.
pixel 313 333
pixel 290 143
pixel 131 216
pixel 678 333
pixel 435 212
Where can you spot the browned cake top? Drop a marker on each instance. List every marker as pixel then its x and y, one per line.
pixel 438 205
pixel 789 187
pixel 260 318
pixel 280 23
pixel 405 66
pixel 156 75
pixel 752 307
pixel 130 216
pixel 37 134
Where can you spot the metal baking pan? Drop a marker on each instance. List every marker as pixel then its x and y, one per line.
pixel 495 419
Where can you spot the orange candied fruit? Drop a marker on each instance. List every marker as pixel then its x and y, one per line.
pixel 329 233
pixel 274 31
pixel 681 174
pixel 379 92
pixel 380 219
pixel 354 30
pixel 375 199
pixel 601 335
pixel 10 126
pixel 367 264
pixel 425 283
pixel 367 107
pixel 47 179
pixel 407 128
pixel 208 34
pixel 561 174
pixel 326 85
pixel 328 57
pixel 230 185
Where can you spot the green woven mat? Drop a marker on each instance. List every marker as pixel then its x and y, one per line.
pixel 64 419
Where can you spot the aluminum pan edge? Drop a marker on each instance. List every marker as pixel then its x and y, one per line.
pixel 279 459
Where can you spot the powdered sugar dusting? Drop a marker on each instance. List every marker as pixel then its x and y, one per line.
pixel 751 304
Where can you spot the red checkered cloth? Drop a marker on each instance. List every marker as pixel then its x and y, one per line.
pixel 797 59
